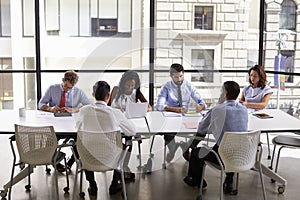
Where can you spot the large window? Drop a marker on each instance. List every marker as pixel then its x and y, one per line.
pixel 203 60
pixel 287 16
pixel 101 39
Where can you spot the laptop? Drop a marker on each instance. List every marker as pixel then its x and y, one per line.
pixel 136 110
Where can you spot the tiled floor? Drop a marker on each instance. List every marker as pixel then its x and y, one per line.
pixel 161 183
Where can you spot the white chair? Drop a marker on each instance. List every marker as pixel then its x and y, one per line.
pixel 99 152
pixel 99 146
pixel 238 152
pixel 36 146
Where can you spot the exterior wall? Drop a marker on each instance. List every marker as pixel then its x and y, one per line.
pixel 231 17
pixel 175 31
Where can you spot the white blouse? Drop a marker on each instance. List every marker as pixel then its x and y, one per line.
pixel 123 101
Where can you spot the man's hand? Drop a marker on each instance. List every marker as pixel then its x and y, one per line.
pixel 54 109
pixel 69 110
pixel 181 110
pixel 199 107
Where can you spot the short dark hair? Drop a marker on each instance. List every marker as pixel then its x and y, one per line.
pixel 175 68
pixel 261 73
pixel 232 90
pixel 71 76
pixel 101 89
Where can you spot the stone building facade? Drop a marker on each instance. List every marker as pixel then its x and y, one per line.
pixel 231 42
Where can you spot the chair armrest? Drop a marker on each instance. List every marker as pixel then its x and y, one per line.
pixel 204 150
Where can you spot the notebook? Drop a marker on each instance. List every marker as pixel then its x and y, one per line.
pixel 136 110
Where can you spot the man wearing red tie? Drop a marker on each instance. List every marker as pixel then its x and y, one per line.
pixel 64 97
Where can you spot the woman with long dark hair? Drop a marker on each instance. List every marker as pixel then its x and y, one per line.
pixel 128 91
pixel 257 94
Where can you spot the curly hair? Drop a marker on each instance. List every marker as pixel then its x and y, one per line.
pixel 261 73
pixel 127 76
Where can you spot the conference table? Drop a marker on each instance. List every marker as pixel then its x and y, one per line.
pixel 155 123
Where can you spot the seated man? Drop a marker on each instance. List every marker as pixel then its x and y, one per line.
pixel 175 96
pixel 64 97
pixel 227 116
pixel 101 92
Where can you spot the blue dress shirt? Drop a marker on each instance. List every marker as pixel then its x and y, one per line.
pixel 228 116
pixel 168 95
pixel 74 97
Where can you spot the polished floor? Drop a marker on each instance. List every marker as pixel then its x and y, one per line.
pixel 161 183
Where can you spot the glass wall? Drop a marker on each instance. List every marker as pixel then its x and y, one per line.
pixel 101 39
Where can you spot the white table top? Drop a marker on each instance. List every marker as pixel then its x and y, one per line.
pixel 36 118
pixel 158 123
pixel 281 122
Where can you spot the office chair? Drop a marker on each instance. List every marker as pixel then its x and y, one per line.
pixel 99 152
pixel 36 146
pixel 284 142
pixel 99 146
pixel 238 152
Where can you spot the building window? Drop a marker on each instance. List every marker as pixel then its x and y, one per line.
pixel 289 64
pixel 202 60
pixel 6 84
pixel 28 18
pixel 5 25
pixel 203 17
pixel 287 16
pixel 89 17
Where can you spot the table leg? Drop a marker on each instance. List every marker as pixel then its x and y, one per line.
pixel 268 142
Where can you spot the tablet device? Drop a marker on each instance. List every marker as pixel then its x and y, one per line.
pixel 262 115
pixel 136 110
pixel 62 114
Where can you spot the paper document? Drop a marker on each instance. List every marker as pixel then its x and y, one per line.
pixel 171 114
pixel 191 125
pixel 192 114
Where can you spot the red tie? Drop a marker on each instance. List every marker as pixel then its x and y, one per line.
pixel 63 100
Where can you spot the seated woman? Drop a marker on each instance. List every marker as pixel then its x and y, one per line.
pixel 257 94
pixel 128 91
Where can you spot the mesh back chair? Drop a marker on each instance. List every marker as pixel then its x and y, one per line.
pixel 36 146
pixel 99 145
pixel 284 142
pixel 238 152
pixel 99 152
